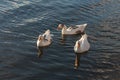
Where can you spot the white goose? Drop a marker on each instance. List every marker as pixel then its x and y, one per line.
pixel 82 45
pixel 44 39
pixel 71 30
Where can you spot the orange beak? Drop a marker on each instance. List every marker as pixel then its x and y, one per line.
pixel 78 45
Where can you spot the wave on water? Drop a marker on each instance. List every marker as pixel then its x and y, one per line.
pixel 21 22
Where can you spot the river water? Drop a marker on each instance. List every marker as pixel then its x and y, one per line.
pixel 21 21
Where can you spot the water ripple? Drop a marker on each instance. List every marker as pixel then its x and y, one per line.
pixel 22 22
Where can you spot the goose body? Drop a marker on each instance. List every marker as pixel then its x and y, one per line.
pixel 44 39
pixel 72 30
pixel 82 45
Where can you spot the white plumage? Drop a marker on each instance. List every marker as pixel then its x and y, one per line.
pixel 44 39
pixel 71 30
pixel 82 45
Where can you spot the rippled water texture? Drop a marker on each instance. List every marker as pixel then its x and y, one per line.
pixel 21 21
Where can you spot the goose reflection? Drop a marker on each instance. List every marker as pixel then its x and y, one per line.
pixel 77 60
pixel 62 40
pixel 40 51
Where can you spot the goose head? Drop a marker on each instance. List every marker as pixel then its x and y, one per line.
pixel 40 38
pixel 77 44
pixel 60 26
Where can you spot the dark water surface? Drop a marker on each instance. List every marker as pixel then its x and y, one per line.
pixel 21 21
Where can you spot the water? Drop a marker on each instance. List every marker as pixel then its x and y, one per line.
pixel 21 21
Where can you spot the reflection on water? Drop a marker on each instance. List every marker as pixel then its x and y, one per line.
pixel 40 51
pixel 77 59
pixel 62 39
pixel 21 21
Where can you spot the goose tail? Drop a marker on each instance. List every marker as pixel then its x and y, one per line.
pixel 47 32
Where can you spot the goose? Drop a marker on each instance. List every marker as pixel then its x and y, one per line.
pixel 45 39
pixel 71 30
pixel 82 45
